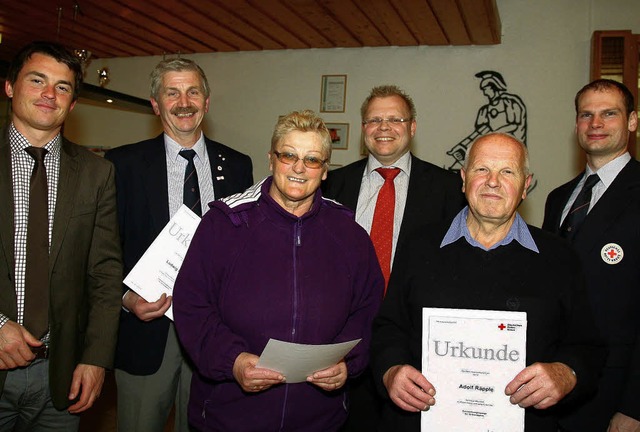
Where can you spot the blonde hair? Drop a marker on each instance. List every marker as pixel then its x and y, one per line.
pixel 388 91
pixel 302 121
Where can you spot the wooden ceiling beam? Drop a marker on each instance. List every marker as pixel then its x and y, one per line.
pixel 253 13
pixel 212 22
pixel 229 15
pixel 73 34
pixel 389 22
pixel 422 22
pixel 324 20
pixel 349 15
pixel 478 22
pixel 123 28
pixel 450 19
pixel 174 18
pixel 295 23
pixel 149 26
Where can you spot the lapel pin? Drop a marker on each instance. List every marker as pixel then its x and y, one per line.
pixel 612 253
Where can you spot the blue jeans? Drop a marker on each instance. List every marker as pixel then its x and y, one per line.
pixel 25 403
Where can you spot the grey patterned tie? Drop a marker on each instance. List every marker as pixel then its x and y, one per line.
pixel 579 209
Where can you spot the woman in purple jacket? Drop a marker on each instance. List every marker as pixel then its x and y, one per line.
pixel 277 261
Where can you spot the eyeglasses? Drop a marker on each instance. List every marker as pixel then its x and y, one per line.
pixel 376 121
pixel 292 158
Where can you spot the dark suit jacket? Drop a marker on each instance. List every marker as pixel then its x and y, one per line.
pixel 434 194
pixel 614 290
pixel 85 268
pixel 143 211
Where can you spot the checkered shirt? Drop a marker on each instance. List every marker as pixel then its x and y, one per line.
pixel 21 168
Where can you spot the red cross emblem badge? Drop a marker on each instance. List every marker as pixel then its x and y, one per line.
pixel 612 253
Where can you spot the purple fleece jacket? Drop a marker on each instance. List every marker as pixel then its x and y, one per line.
pixel 254 272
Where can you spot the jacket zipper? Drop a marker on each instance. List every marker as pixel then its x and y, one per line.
pixel 297 242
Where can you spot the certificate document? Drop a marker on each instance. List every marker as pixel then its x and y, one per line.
pixel 155 273
pixel 297 361
pixel 470 356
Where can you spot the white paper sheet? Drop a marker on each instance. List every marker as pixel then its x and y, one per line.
pixel 297 361
pixel 155 273
pixel 470 356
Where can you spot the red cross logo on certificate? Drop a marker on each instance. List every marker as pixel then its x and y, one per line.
pixel 502 326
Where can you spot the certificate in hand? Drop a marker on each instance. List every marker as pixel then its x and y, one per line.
pixel 470 356
pixel 298 361
pixel 155 273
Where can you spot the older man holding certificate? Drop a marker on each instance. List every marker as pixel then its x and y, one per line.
pixel 487 259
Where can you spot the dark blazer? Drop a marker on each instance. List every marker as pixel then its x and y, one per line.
pixel 434 194
pixel 85 267
pixel 143 211
pixel 614 290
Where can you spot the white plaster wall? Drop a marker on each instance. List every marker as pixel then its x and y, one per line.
pixel 544 58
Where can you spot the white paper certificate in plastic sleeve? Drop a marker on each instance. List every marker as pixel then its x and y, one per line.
pixel 155 273
pixel 470 356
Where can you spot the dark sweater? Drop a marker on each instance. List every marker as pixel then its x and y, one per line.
pixel 547 285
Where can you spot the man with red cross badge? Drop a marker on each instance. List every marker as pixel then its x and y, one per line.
pixel 607 239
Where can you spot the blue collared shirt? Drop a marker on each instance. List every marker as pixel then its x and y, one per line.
pixel 519 232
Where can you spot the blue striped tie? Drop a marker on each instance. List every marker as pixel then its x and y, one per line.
pixel 579 209
pixel 191 195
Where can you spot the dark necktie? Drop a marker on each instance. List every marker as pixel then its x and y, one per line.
pixel 382 225
pixel 579 209
pixel 191 195
pixel 36 302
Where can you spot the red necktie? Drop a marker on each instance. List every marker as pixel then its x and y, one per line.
pixel 382 226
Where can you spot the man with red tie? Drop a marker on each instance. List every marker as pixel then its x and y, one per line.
pixel 393 193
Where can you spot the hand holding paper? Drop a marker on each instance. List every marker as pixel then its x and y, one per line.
pixel 155 273
pixel 541 385
pixel 297 362
pixel 144 310
pixel 331 378
pixel 252 378
pixel 408 388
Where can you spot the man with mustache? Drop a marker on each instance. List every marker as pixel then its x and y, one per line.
pixel 153 179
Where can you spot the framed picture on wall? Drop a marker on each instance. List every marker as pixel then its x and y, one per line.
pixel 333 94
pixel 339 135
